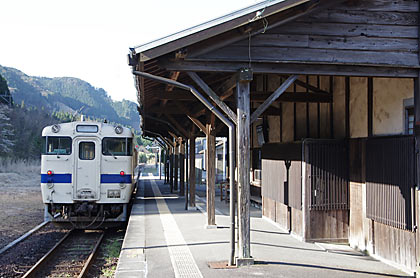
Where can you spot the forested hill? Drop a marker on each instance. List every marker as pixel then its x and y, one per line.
pixel 68 94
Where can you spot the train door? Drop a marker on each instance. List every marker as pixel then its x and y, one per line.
pixel 87 169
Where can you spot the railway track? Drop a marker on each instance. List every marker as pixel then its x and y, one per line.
pixel 70 257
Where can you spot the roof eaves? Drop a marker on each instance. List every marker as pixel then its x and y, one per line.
pixel 245 12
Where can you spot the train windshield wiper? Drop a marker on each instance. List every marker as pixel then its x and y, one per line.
pixel 112 155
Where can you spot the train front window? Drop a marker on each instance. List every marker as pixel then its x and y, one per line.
pixel 56 145
pixel 117 146
pixel 87 150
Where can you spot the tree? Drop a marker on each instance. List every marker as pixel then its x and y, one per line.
pixel 6 131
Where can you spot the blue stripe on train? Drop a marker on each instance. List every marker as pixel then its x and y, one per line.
pixel 115 178
pixel 56 178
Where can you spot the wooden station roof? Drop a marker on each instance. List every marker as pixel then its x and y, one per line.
pixel 284 37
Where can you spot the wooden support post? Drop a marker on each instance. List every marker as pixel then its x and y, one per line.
pixel 186 166
pixel 167 166
pixel 164 158
pixel 211 174
pixel 417 166
pixel 171 169
pixel 243 165
pixel 176 165
pixel 182 168
pixel 192 171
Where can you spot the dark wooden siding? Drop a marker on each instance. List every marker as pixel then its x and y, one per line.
pixel 295 188
pixel 390 180
pixel 327 176
pixel 274 173
pixel 376 32
pixel 273 176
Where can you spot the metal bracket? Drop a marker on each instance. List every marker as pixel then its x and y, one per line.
pixel 245 74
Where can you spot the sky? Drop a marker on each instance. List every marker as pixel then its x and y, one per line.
pixel 90 39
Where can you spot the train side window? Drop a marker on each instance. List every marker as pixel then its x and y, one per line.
pixel 87 150
pixel 117 146
pixel 53 145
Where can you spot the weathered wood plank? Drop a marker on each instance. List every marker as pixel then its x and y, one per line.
pixel 192 171
pixel 346 30
pixel 198 124
pixel 273 97
pixel 395 245
pixel 333 42
pixel 243 165
pixel 382 5
pixel 213 96
pixel 210 175
pixel 277 54
pixel 182 168
pixel 256 96
pixel 363 17
pixel 176 166
pixel 171 170
pixel 211 65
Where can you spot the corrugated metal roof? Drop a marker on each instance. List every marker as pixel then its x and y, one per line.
pixel 245 15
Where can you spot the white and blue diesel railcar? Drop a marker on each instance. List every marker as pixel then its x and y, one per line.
pixel 87 171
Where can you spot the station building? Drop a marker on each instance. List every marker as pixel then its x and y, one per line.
pixel 324 96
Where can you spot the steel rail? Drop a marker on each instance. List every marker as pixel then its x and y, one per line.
pixel 91 257
pixel 33 270
pixel 23 237
pixel 46 258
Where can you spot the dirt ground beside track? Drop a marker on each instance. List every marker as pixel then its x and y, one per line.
pixel 21 206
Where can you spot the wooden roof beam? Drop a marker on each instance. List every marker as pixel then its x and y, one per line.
pixel 310 87
pixel 256 96
pixel 283 87
pixel 292 68
pixel 180 128
pixel 226 109
pixel 198 124
pixel 174 76
pixel 226 88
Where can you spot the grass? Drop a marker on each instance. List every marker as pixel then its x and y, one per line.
pixel 11 165
pixel 112 249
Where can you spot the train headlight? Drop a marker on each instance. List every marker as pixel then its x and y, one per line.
pixel 50 173
pixel 122 173
pixel 118 129
pixel 55 128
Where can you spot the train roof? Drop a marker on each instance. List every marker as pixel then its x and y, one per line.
pixel 87 128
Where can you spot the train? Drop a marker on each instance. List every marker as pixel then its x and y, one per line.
pixel 88 174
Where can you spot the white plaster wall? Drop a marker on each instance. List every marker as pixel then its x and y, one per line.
pixel 388 107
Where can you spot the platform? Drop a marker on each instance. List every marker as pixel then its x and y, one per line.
pixel 165 240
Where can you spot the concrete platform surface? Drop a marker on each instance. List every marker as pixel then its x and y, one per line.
pixel 165 240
